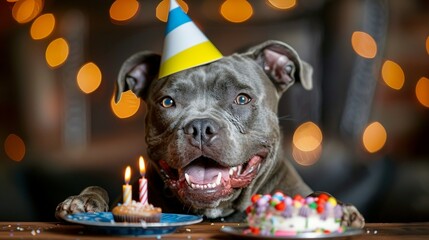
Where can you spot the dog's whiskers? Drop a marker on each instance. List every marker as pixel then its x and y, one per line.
pixel 286 118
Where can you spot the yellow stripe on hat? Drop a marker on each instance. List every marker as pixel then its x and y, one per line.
pixel 199 54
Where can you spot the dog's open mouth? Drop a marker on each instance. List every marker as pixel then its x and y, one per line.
pixel 205 180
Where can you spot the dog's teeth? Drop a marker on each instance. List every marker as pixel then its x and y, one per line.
pixel 219 177
pixel 239 170
pixel 232 170
pixel 187 179
pixel 217 182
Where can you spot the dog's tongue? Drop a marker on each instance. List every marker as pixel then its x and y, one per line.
pixel 204 171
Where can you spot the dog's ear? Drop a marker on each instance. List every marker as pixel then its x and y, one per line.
pixel 282 65
pixel 136 74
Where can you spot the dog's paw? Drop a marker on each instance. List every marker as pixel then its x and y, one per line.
pixel 92 199
pixel 352 217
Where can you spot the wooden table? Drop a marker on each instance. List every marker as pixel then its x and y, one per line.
pixel 46 230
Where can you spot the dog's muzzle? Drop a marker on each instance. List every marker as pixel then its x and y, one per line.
pixel 204 180
pixel 207 180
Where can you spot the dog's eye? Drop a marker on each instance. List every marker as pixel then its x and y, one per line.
pixel 242 99
pixel 167 102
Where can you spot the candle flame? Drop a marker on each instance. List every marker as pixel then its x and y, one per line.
pixel 142 166
pixel 127 174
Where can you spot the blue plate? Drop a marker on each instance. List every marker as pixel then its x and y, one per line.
pixel 102 222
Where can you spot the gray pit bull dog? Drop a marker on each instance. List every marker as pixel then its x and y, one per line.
pixel 213 134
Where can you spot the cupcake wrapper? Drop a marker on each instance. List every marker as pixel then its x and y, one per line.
pixel 137 219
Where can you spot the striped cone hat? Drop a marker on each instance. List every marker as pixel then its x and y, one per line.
pixel 185 46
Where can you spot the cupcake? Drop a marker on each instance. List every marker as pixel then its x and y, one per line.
pixel 136 212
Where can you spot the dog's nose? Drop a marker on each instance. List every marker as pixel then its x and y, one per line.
pixel 202 131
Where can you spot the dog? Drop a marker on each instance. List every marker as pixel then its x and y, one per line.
pixel 213 134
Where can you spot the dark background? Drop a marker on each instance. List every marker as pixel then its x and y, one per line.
pixel 41 104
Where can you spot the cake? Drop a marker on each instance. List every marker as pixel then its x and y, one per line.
pixel 282 215
pixel 136 212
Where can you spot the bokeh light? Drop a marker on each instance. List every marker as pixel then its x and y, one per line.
pixel 24 11
pixel 236 11
pixel 57 52
pixel 14 147
pixel 123 10
pixel 127 106
pixel 374 137
pixel 307 136
pixel 89 77
pixel 42 26
pixel 392 74
pixel 307 143
pixel 364 45
pixel 422 91
pixel 306 158
pixel 163 8
pixel 282 4
pixel 427 44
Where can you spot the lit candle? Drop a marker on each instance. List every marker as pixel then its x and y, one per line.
pixel 127 188
pixel 142 182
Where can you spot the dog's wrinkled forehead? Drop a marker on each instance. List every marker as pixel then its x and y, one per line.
pixel 227 76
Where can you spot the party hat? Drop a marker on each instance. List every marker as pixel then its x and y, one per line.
pixel 185 46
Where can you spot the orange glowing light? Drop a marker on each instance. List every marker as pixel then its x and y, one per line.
pixel 142 166
pixel 364 45
pixel 123 10
pixel 307 144
pixel 57 52
pixel 307 137
pixel 392 75
pixel 427 44
pixel 89 77
pixel 24 11
pixel 236 11
pixel 282 4
pixel 42 26
pixel 14 147
pixel 422 91
pixel 127 177
pixel 127 105
pixel 163 8
pixel 306 158
pixel 374 137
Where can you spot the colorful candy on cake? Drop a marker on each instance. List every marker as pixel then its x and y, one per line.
pixel 282 215
pixel 136 212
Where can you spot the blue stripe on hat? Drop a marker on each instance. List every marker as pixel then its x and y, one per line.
pixel 176 17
